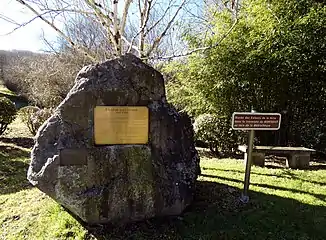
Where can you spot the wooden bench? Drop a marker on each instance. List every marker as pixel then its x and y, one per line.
pixel 297 157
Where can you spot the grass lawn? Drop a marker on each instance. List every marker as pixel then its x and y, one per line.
pixel 284 204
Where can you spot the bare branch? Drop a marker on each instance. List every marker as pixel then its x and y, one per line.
pixel 88 13
pixel 116 34
pixel 159 20
pixel 158 40
pixel 201 48
pixel 38 15
pixel 7 19
pixel 53 26
pixel 144 15
pixel 130 45
pixel 124 16
pixel 105 20
pixel 143 22
pixel 139 6
pixel 22 25
pixel 53 50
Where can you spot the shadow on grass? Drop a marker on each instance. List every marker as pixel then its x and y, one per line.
pixel 286 174
pixel 319 196
pixel 317 167
pixel 217 213
pixel 20 141
pixel 13 169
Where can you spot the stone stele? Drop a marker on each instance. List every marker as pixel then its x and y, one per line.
pixel 116 183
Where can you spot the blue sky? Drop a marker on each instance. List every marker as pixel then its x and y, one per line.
pixel 25 38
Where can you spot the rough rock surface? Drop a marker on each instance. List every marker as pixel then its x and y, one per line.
pixel 116 183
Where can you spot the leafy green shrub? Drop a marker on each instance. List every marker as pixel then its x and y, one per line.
pixel 7 113
pixel 25 114
pixel 217 133
pixel 34 117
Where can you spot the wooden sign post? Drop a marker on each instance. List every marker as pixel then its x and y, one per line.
pixel 253 121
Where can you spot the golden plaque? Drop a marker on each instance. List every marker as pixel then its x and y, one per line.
pixel 120 125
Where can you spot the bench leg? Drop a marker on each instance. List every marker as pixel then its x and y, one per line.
pixel 258 159
pixel 298 160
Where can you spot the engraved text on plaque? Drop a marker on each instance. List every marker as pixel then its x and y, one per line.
pixel 121 125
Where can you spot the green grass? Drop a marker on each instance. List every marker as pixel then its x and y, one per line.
pixel 17 130
pixel 284 204
pixel 25 212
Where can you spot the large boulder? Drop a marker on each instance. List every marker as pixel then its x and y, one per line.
pixel 116 183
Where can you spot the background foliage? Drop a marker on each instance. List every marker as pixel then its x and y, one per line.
pixel 44 79
pixel 217 133
pixel 7 113
pixel 273 60
pixel 33 117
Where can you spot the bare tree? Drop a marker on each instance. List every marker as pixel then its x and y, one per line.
pixel 150 29
pixel 86 33
pixel 113 19
pixel 138 26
